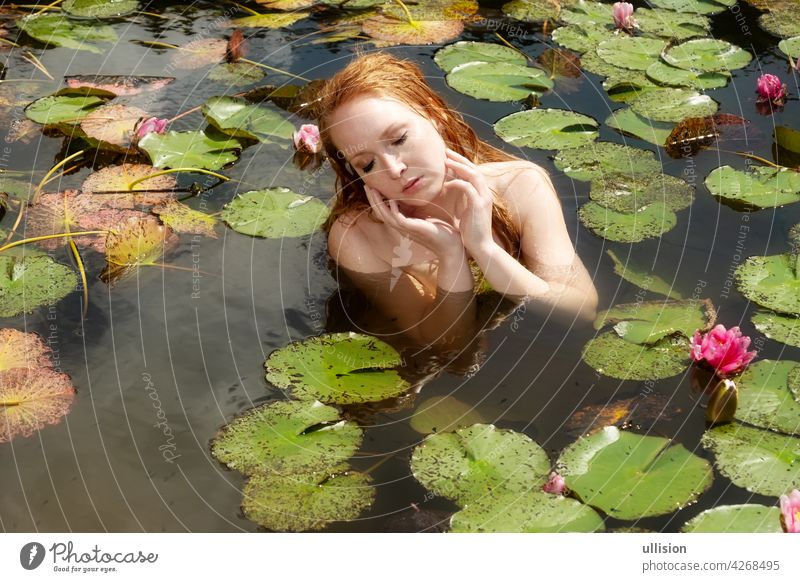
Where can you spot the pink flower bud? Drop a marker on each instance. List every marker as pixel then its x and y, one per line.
pixel 771 90
pixel 555 484
pixel 790 512
pixel 150 125
pixel 623 16
pixel 725 350
pixel 307 139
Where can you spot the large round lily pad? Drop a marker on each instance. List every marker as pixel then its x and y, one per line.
pixel 287 437
pixel 99 8
pixel 771 281
pixel 765 399
pixel 665 74
pixel 274 213
pixel 532 10
pixel 790 47
pixel 22 350
pixel 673 104
pixel 389 31
pixel 631 123
pixel 344 368
pixel 763 187
pixel 190 149
pixel 692 6
pixel 612 356
pixel 472 462
pixel 631 52
pixel 26 283
pixel 547 129
pixel 647 322
pixel 582 39
pixel 588 14
pixel 498 81
pixel 598 158
pixel 238 118
pixel 749 518
pixel 650 221
pixel 669 24
pixel 624 193
pixel 781 328
pixel 32 398
pixel 755 459
pixel 784 23
pixel 465 51
pixel 306 501
pixel 630 476
pixel 707 54
pixel 530 512
pixel 56 30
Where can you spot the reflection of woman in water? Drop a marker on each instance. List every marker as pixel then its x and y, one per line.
pixel 423 205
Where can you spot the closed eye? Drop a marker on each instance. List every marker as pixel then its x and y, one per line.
pixel 397 142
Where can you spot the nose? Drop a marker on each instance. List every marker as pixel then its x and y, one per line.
pixel 394 166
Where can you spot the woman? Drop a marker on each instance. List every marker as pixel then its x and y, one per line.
pixel 420 200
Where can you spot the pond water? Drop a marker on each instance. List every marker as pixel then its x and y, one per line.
pixel 165 358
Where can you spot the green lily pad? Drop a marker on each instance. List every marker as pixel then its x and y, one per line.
pixel 184 219
pixel 26 283
pixel 781 328
pixel 631 123
pixel 236 117
pixel 442 414
pixel 630 476
pixel 531 10
pixel 548 129
pixel 18 188
pixel 755 459
pixel 53 110
pixel 235 74
pixel 762 187
pixel 56 30
pixel 190 149
pixel 99 8
pixel 664 74
pixel 598 158
pixel 274 213
pixel 692 6
pixel 579 38
pixel 673 104
pixel 287 437
pixel 530 512
pixel 642 277
pixel 650 221
pixel 453 55
pixel 708 55
pixel 306 501
pixel 588 14
pixel 765 399
pixel 669 24
pixel 647 322
pixel 631 52
pixel 771 282
pixel 748 518
pixel 344 368
pixel 788 138
pixel 628 194
pixel 471 462
pixel 783 23
pixel 498 81
pixel 612 356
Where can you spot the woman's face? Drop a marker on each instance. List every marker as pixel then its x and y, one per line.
pixel 389 145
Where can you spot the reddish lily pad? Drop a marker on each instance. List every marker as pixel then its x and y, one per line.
pixel 30 399
pixel 119 85
pixel 22 350
pixel 118 179
pixel 113 125
pixel 392 31
pixel 200 53
pixel 181 218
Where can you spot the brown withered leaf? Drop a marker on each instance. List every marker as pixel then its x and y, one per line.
pixel 695 133
pixel 639 410
pixel 236 47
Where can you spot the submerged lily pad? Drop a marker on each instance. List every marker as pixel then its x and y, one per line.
pixel 765 399
pixel 748 518
pixel 498 81
pixel 26 283
pixel 306 501
pixel 650 221
pixel 669 24
pixel 771 281
pixel 135 243
pixel 673 104
pixel 529 512
pixel 274 213
pixel 598 158
pixel 31 399
pixel 190 149
pixel 442 414
pixel 471 462
pixel 755 459
pixel 665 74
pixel 643 277
pixel 647 322
pixel 200 53
pixel 781 328
pixel 464 51
pixel 181 218
pixel 627 194
pixel 239 118
pixel 631 52
pixel 707 55
pixel 342 368
pixel 630 122
pixel 236 73
pixel 547 129
pixel 612 356
pixel 22 350
pixel 287 437
pixel 56 30
pixel 630 476
pixel 99 8
pixel 762 187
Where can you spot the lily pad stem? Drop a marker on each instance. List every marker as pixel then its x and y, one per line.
pixel 52 171
pixel 511 46
pixel 48 7
pixel 10 402
pixel 411 21
pixel 751 156
pixel 257 64
pixel 17 243
pixel 175 170
pixel 244 8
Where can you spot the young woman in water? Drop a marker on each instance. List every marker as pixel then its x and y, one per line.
pixel 423 205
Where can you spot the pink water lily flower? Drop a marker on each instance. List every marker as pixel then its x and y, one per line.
pixel 724 349
pixel 555 484
pixel 790 512
pixel 623 16
pixel 150 125
pixel 307 139
pixel 771 90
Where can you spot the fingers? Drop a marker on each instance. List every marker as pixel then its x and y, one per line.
pixel 379 206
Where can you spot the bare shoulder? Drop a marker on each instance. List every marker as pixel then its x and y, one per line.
pixel 352 247
pixel 522 185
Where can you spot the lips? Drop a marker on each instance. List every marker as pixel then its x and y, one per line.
pixel 412 183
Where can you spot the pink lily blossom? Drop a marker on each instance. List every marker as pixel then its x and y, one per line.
pixel 150 125
pixel 307 139
pixel 790 512
pixel 623 16
pixel 555 484
pixel 771 90
pixel 724 349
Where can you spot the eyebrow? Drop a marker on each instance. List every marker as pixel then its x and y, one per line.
pixel 389 130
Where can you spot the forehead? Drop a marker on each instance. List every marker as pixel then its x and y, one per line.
pixel 358 123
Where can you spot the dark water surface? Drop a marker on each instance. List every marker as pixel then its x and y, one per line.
pixel 202 350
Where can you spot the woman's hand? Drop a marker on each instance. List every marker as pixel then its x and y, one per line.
pixel 475 208
pixel 432 233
